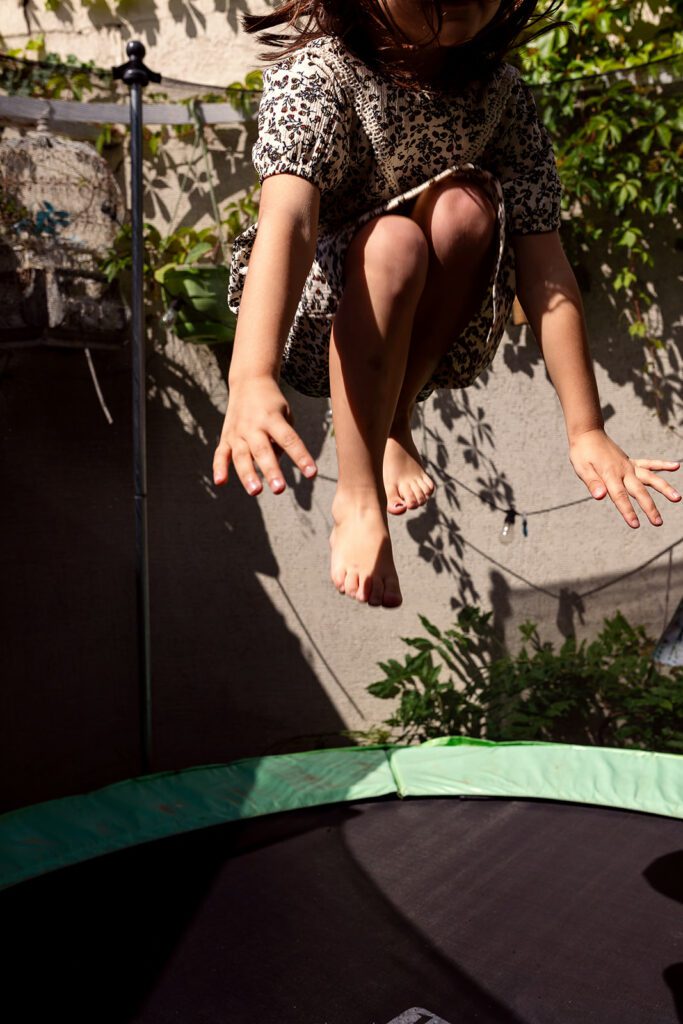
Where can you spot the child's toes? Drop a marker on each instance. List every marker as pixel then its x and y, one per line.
pixel 420 497
pixel 338 576
pixel 419 493
pixel 395 503
pixel 408 495
pixel 351 584
pixel 428 486
pixel 365 589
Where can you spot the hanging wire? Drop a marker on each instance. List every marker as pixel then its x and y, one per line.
pixel 105 74
pixel 98 390
pixel 316 648
pixel 626 69
pixel 544 590
pixel 668 590
pixel 90 69
pixel 518 512
pixel 500 508
pixel 631 572
pixel 506 509
pixel 583 594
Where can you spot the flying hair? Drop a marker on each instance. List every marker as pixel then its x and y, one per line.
pixel 369 32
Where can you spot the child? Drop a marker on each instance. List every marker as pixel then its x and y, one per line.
pixel 405 176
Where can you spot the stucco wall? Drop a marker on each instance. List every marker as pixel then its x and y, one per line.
pixel 253 648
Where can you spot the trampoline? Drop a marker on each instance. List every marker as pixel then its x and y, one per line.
pixel 456 881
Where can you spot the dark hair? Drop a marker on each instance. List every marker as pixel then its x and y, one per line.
pixel 369 32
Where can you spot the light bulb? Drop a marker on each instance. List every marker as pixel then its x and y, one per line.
pixel 507 534
pixel 171 314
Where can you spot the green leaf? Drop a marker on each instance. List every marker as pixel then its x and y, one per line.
pixel 198 251
pixel 420 642
pixel 664 134
pixel 431 629
pixel 628 239
pixel 383 689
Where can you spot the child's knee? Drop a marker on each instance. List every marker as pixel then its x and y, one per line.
pixel 390 249
pixel 463 212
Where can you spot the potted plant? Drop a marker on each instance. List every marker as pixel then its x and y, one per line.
pixel 191 266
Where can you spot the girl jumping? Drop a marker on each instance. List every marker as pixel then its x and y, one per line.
pixel 408 192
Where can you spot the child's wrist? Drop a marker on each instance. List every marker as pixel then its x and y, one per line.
pixel 237 378
pixel 577 431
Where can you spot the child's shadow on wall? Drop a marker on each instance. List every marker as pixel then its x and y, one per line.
pixel 232 679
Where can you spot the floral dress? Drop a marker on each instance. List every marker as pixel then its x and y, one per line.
pixel 371 146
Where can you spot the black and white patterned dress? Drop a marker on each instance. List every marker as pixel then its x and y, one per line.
pixel 371 146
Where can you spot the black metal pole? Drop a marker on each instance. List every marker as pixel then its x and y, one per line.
pixel 136 76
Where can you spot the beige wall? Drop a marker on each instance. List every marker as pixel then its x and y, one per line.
pixel 197 41
pixel 449 552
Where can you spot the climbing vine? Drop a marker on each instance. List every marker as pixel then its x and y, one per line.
pixel 32 71
pixel 617 138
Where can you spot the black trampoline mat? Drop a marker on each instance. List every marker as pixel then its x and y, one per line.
pixel 481 910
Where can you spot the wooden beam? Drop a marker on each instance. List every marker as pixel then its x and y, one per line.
pixel 61 114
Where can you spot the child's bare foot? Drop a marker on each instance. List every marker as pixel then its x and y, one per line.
pixel 405 481
pixel 362 564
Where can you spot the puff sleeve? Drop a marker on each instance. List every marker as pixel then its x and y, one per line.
pixel 304 123
pixel 521 156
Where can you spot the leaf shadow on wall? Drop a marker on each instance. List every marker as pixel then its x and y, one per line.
pixel 436 528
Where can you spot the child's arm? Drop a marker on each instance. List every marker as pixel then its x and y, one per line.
pixel 258 416
pixel 550 297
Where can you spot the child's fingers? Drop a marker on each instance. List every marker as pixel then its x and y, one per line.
pixel 221 463
pixel 656 483
pixel 289 441
pixel 260 448
pixel 616 488
pixel 262 451
pixel 244 467
pixel 644 499
pixel 660 465
pixel 593 481
pixel 631 479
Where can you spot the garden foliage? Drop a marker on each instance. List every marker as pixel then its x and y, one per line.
pixel 617 139
pixel 462 681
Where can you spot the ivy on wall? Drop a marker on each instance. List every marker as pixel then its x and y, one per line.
pixel 48 75
pixel 617 139
pixel 55 5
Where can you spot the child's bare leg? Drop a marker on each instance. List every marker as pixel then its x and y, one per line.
pixel 458 221
pixel 385 271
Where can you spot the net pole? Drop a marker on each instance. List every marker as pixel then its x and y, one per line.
pixel 136 76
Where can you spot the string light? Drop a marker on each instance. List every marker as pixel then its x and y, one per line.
pixel 507 534
pixel 171 314
pixel 510 513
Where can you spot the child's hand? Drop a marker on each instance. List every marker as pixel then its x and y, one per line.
pixel 606 469
pixel 258 421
